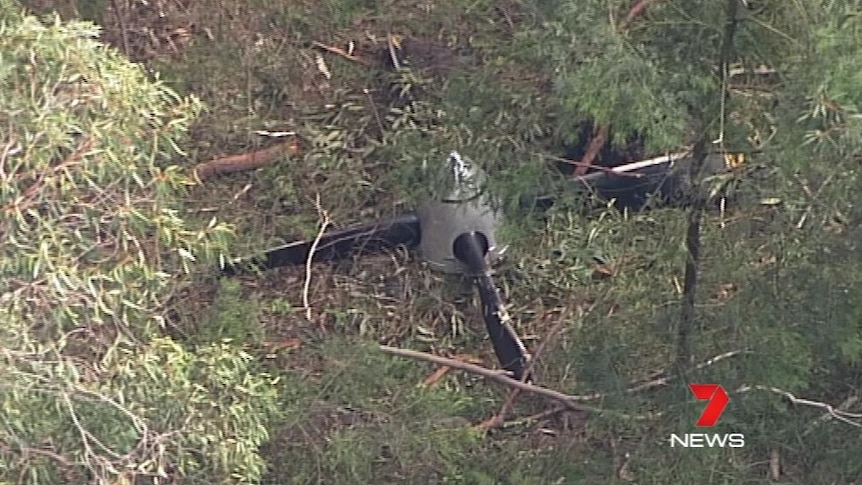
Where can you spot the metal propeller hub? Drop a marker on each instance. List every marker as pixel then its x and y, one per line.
pixel 461 205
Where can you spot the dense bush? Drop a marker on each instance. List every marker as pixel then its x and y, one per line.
pixel 94 241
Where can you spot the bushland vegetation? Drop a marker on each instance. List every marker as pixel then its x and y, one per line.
pixel 125 359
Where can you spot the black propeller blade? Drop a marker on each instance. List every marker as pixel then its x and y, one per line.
pixel 632 184
pixel 404 230
pixel 471 248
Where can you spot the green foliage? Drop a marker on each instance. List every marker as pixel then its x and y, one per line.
pixel 153 411
pixel 89 189
pixel 385 426
pixel 206 411
pixel 94 243
pixel 231 318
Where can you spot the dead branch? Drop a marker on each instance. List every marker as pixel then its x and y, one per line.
pixel 665 380
pixel 850 401
pixel 570 401
pixel 325 221
pixel 593 149
pixel 340 52
pixel 831 411
pixel 636 11
pixel 244 161
pixel 596 167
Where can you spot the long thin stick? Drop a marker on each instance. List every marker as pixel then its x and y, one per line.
pixel 340 52
pixel 324 223
pixel 567 400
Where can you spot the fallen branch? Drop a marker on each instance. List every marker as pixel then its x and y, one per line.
pixel 244 161
pixel 850 401
pixel 443 370
pixel 595 167
pixel 664 380
pixel 593 149
pixel 832 411
pixel 574 401
pixel 660 380
pixel 324 224
pixel 570 401
pixel 340 52
pixel 636 11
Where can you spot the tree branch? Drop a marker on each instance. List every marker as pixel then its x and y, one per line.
pixel 570 401
pixel 831 411
pixel 596 144
pixel 594 167
pixel 695 215
pixel 244 161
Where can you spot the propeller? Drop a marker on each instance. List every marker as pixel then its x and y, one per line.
pixel 455 232
pixel 404 230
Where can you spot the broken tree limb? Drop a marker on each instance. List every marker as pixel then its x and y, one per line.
pixel 593 149
pixel 340 52
pixel 244 161
pixel 598 168
pixel 637 10
pixel 570 401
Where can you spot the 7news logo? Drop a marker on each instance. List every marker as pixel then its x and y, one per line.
pixel 717 400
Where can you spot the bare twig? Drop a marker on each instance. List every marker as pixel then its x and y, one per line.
pixel 567 400
pixel 832 411
pixel 324 224
pixel 340 52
